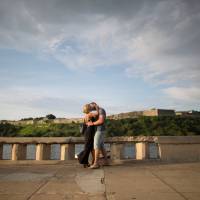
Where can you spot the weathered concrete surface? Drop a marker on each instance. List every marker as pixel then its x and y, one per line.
pixel 125 181
pixel 153 181
pixel 179 148
pixel 58 182
pixel 72 140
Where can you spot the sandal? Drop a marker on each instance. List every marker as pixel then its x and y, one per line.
pixel 95 166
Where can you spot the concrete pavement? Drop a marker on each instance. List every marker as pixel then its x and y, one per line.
pixel 127 181
pixel 153 181
pixel 64 181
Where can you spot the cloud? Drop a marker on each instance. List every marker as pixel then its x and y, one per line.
pixel 166 49
pixel 22 102
pixel 191 95
pixel 157 41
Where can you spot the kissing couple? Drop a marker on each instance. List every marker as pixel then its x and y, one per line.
pixel 94 130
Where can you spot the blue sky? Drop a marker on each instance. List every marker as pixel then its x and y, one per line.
pixel 125 56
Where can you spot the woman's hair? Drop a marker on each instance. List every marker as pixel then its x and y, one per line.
pixel 86 108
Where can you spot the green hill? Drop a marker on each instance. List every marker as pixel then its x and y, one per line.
pixel 174 125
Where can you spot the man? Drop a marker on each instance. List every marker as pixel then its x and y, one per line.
pixel 99 134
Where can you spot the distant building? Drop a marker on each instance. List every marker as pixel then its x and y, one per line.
pixel 133 114
pixel 182 113
pixel 59 120
pixel 159 112
pixel 67 121
pixel 192 113
pixel 43 121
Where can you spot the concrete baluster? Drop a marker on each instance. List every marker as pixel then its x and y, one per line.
pixel 18 152
pixel 117 151
pixel 43 152
pixel 67 152
pixel 1 151
pixel 142 150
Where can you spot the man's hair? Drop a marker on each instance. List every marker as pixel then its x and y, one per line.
pixel 89 107
pixel 94 106
pixel 93 103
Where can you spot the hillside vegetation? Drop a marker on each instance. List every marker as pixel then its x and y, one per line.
pixel 123 127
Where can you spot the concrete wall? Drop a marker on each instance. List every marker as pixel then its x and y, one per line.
pixel 163 112
pixel 133 114
pixel 179 148
pixel 153 112
pixel 171 148
pixel 159 112
pixel 44 121
pixel 67 121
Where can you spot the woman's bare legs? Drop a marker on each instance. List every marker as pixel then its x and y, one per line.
pixel 93 156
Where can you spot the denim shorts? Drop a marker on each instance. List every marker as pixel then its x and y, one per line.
pixel 99 140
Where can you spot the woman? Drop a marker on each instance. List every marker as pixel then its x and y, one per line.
pixel 89 132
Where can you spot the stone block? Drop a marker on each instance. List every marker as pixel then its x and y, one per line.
pixel 1 151
pixel 43 152
pixel 18 152
pixel 142 150
pixel 117 151
pixel 67 152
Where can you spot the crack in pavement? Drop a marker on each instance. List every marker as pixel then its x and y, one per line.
pixel 43 184
pixel 171 187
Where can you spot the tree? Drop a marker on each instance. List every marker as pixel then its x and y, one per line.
pixel 50 116
pixel 7 130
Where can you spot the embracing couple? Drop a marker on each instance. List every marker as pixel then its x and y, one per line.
pixel 93 130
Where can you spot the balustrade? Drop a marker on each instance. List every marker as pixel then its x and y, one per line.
pixel 67 147
pixel 169 148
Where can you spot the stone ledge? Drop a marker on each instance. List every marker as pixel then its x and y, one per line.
pixel 177 139
pixel 72 140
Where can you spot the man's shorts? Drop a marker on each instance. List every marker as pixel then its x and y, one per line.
pixel 99 140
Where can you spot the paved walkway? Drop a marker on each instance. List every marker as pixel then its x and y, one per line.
pixel 140 181
pixel 153 182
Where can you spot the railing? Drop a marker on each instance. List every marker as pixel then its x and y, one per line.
pixel 169 148
pixel 67 146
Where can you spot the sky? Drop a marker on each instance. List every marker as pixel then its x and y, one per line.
pixel 57 55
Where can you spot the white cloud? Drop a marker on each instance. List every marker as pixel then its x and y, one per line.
pixel 191 94
pixel 21 102
pixel 165 48
pixel 157 41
